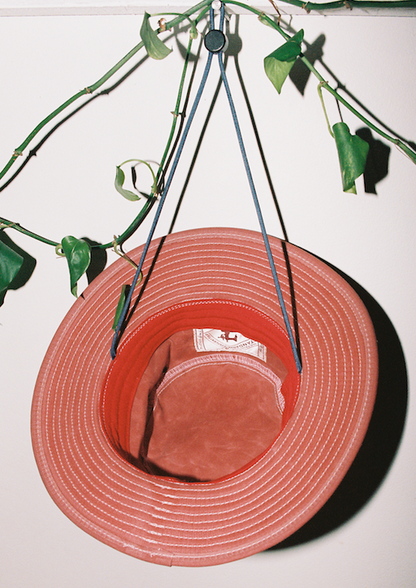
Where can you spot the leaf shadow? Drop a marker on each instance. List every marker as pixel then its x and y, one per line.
pixel 234 47
pixel 377 164
pixel 300 75
pixel 98 260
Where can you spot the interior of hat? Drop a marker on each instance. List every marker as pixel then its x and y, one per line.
pixel 200 391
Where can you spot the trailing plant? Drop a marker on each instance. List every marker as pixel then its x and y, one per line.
pixel 352 150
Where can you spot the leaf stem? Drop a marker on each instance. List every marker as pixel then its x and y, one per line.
pixel 337 4
pixel 351 4
pixel 203 7
pixel 123 255
pixel 90 89
pixel 64 105
pixel 322 83
pixel 176 110
pixel 153 196
pixel 324 108
pixel 396 141
pixel 147 164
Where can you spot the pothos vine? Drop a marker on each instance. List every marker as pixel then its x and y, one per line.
pixel 352 150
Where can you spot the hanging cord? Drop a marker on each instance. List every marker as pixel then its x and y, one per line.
pixel 161 203
pixel 257 207
pixel 215 42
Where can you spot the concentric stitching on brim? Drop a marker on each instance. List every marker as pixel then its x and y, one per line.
pixel 243 514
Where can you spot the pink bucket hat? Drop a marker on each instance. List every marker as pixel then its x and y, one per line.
pixel 200 443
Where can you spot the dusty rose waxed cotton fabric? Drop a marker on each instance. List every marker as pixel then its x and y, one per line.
pixel 211 413
pixel 84 444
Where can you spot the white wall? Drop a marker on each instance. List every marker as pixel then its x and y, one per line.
pixel 68 189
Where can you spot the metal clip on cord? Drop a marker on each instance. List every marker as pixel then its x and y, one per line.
pixel 216 43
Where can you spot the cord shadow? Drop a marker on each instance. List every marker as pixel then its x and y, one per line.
pixel 382 441
pixel 234 47
pixel 199 143
pixel 237 46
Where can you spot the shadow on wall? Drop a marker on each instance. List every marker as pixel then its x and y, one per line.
pixel 377 164
pixel 382 441
pixel 377 161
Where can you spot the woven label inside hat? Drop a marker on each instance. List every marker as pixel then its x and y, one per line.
pixel 218 340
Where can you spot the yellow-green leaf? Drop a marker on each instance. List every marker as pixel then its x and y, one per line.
pixel 120 305
pixel 118 184
pixel 278 64
pixel 154 46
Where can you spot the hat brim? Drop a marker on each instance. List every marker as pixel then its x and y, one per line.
pixel 168 521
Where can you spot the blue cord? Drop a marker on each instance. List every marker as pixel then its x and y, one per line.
pixel 252 188
pixel 259 214
pixel 160 206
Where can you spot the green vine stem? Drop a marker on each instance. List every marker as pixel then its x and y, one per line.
pixel 6 224
pixel 120 253
pixel 175 113
pixel 202 7
pixel 350 4
pixel 324 84
pixel 91 89
pixel 153 196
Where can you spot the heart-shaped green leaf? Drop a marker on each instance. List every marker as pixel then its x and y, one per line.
pixel 10 264
pixel 78 256
pixel 16 265
pixel 278 64
pixel 154 46
pixel 352 155
pixel 118 183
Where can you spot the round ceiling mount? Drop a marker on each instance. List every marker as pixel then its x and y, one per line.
pixel 215 41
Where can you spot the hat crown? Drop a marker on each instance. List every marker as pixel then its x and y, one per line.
pixel 186 399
